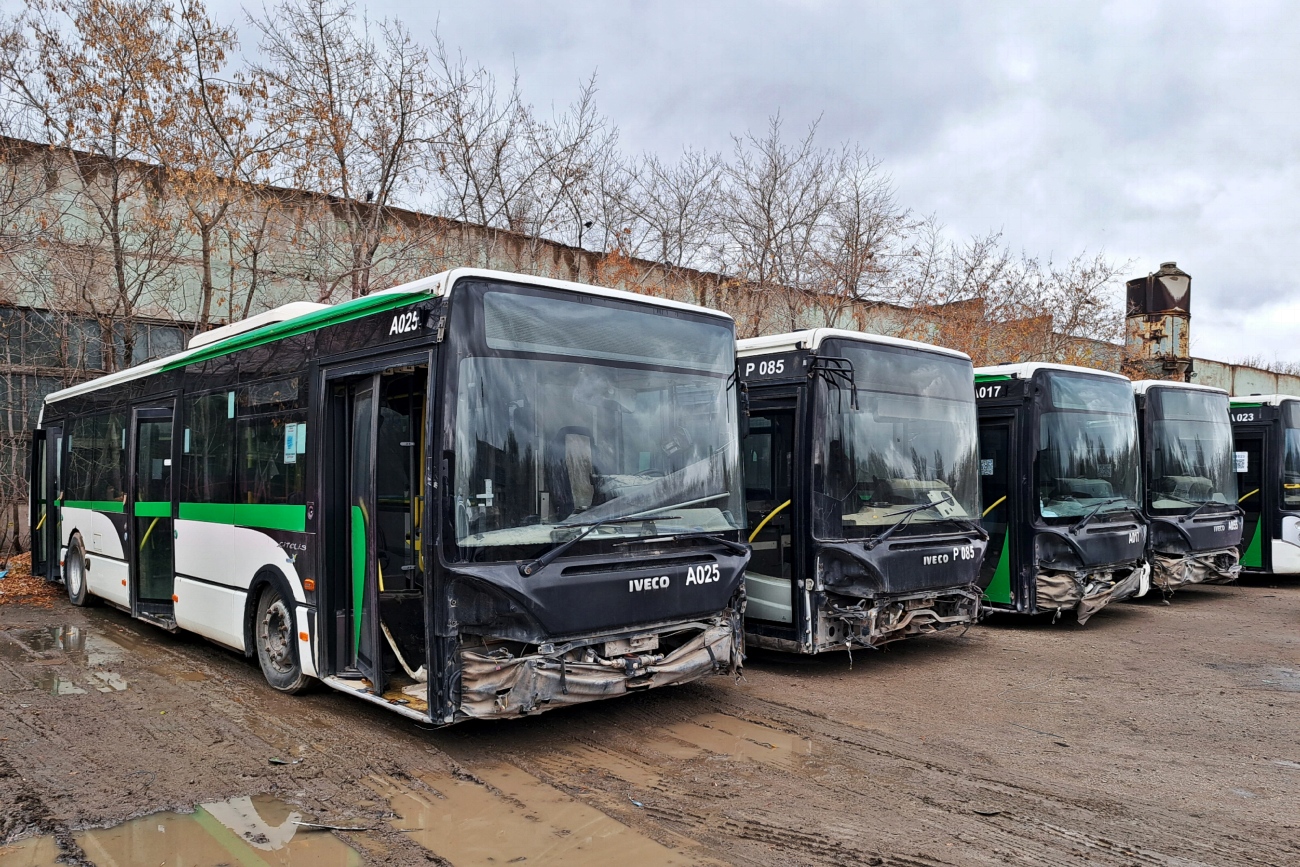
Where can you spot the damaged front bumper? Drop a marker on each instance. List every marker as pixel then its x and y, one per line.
pixel 876 622
pixel 1089 592
pixel 1171 571
pixel 497 685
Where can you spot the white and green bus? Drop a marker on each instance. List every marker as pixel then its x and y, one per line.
pixel 475 495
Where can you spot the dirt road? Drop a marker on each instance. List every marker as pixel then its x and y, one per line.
pixel 1154 735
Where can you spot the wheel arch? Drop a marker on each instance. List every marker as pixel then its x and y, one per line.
pixel 266 576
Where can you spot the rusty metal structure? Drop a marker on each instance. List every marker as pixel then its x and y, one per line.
pixel 1158 320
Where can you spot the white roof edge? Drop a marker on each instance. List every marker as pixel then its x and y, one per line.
pixel 1026 369
pixel 811 338
pixel 584 288
pixel 283 313
pixel 435 284
pixel 1269 399
pixel 1142 386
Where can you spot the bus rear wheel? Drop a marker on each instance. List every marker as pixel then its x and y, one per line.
pixel 276 638
pixel 74 572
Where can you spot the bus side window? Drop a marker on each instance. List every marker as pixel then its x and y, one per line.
pixel 208 450
pixel 97 458
pixel 269 471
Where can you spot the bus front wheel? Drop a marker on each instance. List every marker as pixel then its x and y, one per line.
pixel 74 572
pixel 277 641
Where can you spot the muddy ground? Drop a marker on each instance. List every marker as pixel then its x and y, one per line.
pixel 1154 735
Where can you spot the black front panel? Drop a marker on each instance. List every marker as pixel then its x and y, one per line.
pixel 901 567
pixel 590 595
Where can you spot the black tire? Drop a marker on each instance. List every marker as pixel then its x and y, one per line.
pixel 74 572
pixel 275 636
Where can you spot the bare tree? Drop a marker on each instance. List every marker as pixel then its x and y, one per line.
pixel 96 77
pixel 217 152
pixel 357 104
pixel 773 206
pixel 997 307
pixel 677 210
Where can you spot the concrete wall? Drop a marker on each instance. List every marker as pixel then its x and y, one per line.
pixel 1238 379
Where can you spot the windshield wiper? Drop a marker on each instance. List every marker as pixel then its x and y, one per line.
pixel 1095 510
pixel 1199 505
pixel 906 516
pixel 733 547
pixel 534 566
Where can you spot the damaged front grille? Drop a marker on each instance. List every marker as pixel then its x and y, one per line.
pixel 845 623
pixel 500 683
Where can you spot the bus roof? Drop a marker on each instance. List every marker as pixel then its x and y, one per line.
pixel 1142 386
pixel 272 327
pixel 1026 370
pixel 1261 399
pixel 811 338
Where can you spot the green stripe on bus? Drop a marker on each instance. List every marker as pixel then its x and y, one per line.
pixel 1242 404
pixel 153 510
pixel 358 572
pixel 1254 553
pixel 97 505
pixel 999 589
pixel 335 315
pixel 992 377
pixel 261 516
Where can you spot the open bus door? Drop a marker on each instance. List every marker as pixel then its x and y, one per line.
pixel 1253 492
pixel 374 519
pixel 44 507
pixel 153 538
pixel 366 657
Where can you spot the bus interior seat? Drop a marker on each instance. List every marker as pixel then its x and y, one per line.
pixel 571 469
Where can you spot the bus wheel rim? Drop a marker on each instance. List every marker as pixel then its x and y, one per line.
pixel 74 576
pixel 275 636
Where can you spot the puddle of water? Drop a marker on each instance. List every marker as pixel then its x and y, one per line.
pixel 78 643
pixel 32 852
pixel 253 832
pixel 1285 679
pixel 529 822
pixel 735 738
pixel 52 683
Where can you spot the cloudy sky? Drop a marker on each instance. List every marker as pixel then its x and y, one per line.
pixel 1148 131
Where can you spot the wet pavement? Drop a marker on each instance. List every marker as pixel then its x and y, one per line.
pixel 1155 735
pixel 248 831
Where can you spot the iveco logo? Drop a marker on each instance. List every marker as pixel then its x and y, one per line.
pixel 637 584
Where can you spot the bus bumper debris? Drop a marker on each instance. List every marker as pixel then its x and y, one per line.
pixel 1169 572
pixel 504 686
pixel 1089 592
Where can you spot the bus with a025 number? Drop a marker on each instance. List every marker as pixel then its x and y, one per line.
pixel 476 495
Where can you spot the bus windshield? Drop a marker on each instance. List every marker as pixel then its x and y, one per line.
pixel 1291 456
pixel 1191 461
pixel 911 441
pixel 587 413
pixel 1087 448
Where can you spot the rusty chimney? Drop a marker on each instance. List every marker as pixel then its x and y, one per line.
pixel 1157 333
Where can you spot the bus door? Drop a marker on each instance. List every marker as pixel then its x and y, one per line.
pixel 44 507
pixel 997 481
pixel 152 554
pixel 768 457
pixel 375 505
pixel 1248 445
